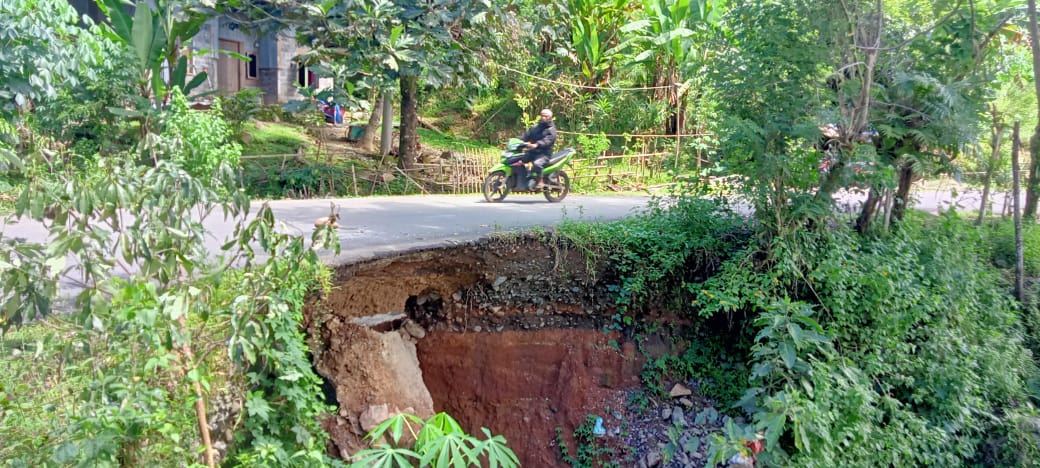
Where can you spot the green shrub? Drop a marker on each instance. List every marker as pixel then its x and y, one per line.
pixel 197 140
pixel 1001 238
pixel 438 441
pixel 590 451
pixel 240 108
pixel 144 344
pixel 679 241
pixel 900 350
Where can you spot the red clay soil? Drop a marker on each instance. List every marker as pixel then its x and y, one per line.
pixel 525 384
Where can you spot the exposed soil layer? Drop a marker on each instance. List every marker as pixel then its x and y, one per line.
pixel 525 384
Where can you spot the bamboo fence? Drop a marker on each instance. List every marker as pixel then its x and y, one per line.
pixel 462 171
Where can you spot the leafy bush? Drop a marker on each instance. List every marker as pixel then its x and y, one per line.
pixel 1001 239
pixel 274 179
pixel 678 241
pixel 590 451
pixel 240 108
pixel 138 369
pixel 903 350
pixel 199 141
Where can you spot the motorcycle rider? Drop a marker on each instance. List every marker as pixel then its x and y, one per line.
pixel 540 140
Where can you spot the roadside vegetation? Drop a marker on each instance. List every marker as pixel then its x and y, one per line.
pixel 877 337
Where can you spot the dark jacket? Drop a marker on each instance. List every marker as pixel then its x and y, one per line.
pixel 542 134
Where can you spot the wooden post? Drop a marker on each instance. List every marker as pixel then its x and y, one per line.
pixel 388 123
pixel 678 125
pixel 353 177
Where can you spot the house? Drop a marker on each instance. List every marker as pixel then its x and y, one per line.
pixel 270 66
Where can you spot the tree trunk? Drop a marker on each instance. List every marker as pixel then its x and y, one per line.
pixel 1034 164
pixel 409 121
pixel 368 140
pixel 1033 182
pixel 906 179
pixel 995 142
pixel 866 215
pixel 1016 146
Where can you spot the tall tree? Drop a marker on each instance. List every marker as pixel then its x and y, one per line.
pixel 768 77
pixel 931 96
pixel 1033 182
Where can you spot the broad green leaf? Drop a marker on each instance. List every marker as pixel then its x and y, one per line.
pixel 788 354
pixel 796 334
pixel 143 33
pixel 774 426
pixel 635 26
pixel 121 21
pixel 179 73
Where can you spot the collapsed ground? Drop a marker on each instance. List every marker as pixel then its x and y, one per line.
pixel 508 334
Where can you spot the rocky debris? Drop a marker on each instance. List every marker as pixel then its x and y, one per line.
pixel 679 390
pixel 370 368
pixel 669 434
pixel 653 459
pixel 223 412
pixel 677 417
pixel 371 417
pixel 414 329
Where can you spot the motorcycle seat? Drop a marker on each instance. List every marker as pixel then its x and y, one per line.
pixel 559 155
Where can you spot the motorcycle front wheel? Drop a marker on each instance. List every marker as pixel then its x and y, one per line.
pixel 558 187
pixel 495 187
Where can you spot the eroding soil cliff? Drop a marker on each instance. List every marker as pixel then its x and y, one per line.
pixel 506 334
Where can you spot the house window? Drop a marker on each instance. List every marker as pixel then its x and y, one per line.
pixel 251 67
pixel 305 77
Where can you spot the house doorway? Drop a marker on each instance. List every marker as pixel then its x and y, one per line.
pixel 229 69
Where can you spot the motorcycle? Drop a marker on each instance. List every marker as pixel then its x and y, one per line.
pixel 510 175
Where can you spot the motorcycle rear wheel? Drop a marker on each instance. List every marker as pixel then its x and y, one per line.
pixel 495 187
pixel 558 187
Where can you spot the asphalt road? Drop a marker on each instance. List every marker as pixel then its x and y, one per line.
pixel 376 226
pixel 373 226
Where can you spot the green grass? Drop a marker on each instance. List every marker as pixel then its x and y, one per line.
pixel 434 139
pixel 273 138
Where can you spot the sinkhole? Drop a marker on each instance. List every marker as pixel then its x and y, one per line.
pixel 505 334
